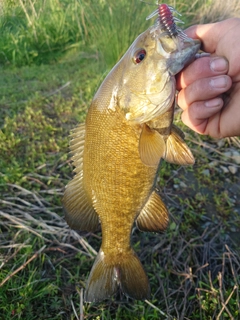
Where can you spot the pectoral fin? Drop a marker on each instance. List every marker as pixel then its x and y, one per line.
pixel 177 150
pixel 151 146
pixel 154 216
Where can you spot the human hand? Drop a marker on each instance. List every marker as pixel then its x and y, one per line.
pixel 209 88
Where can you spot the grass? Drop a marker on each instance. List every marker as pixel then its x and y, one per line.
pixel 54 54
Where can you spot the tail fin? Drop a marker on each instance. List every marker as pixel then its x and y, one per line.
pixel 107 274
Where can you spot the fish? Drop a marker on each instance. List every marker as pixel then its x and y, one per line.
pixel 117 153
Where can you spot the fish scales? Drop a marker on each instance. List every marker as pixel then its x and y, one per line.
pixel 117 206
pixel 117 153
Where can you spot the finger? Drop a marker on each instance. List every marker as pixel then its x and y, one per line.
pixel 202 32
pixel 230 114
pixel 203 90
pixel 200 116
pixel 211 34
pixel 202 68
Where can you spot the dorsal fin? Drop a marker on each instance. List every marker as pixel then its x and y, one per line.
pixel 177 150
pixel 79 212
pixel 154 216
pixel 151 146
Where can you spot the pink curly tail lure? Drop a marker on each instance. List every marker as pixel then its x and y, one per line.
pixel 166 21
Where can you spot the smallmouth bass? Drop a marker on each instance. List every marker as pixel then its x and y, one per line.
pixel 116 153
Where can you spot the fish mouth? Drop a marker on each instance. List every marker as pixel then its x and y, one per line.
pixel 183 56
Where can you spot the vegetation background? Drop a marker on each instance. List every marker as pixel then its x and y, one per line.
pixel 53 56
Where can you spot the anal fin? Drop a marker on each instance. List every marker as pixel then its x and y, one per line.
pixel 154 216
pixel 177 150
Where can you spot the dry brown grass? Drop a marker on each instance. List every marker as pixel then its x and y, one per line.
pixel 192 271
pixel 217 10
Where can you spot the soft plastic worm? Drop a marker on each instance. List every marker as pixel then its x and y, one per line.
pixel 166 21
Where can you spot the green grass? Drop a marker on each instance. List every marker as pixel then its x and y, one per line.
pixel 53 56
pixel 37 117
pixel 47 30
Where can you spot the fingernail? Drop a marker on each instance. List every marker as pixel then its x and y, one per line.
pixel 218 64
pixel 213 103
pixel 219 82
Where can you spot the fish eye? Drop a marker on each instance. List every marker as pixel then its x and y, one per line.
pixel 139 56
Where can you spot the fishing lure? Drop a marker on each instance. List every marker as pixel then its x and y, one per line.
pixel 166 21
